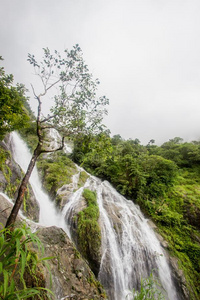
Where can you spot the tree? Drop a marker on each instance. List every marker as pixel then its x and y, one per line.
pixel 13 114
pixel 76 108
pixel 116 139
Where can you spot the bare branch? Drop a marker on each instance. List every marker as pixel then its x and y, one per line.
pixel 33 91
pixel 53 84
pixel 48 118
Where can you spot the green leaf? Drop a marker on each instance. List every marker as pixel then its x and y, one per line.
pixel 23 262
pixel 5 283
pixel 46 258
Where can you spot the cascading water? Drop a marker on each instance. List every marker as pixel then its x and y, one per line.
pixel 48 213
pixel 129 246
pixel 130 249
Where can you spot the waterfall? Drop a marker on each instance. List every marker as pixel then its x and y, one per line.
pixel 48 213
pixel 130 248
pixel 129 241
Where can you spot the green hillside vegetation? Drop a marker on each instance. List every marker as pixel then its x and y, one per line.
pixel 164 181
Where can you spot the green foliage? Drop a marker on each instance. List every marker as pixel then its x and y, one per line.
pixel 82 178
pixel 149 290
pixel 56 171
pixel 88 229
pixel 183 154
pixel 93 281
pixel 13 113
pixel 19 264
pixel 92 150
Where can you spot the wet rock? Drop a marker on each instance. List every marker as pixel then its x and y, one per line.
pixel 71 275
pixel 5 209
pixel 114 215
pixel 179 279
pixel 63 194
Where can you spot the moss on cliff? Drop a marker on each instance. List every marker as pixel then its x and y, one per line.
pixel 82 178
pixel 89 232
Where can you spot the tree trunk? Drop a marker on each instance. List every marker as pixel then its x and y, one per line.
pixel 23 186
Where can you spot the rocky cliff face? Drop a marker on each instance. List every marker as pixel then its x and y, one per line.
pixel 71 275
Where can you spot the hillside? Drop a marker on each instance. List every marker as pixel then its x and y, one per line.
pixel 164 181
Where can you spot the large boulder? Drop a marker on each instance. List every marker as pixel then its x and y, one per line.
pixel 72 277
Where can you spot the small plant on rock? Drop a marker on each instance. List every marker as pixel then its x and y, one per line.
pixel 19 265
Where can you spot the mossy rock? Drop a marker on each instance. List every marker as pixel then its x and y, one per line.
pixel 89 232
pixel 82 178
pixel 56 170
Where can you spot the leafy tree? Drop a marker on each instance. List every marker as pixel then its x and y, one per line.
pixel 76 108
pixel 116 139
pixel 13 114
pixel 151 142
pixel 176 140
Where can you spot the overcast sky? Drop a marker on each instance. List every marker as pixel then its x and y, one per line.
pixel 146 54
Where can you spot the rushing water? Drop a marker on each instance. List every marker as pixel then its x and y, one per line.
pixel 48 213
pixel 130 249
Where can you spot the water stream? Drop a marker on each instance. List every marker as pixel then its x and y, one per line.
pixel 49 216
pixel 130 249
